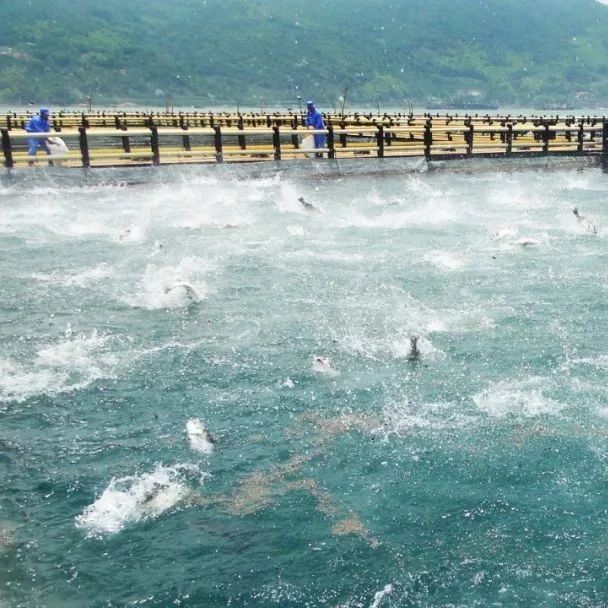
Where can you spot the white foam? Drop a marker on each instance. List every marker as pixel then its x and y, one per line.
pixel 90 275
pixel 287 199
pixel 516 398
pixel 84 278
pixel 359 344
pixel 296 230
pixel 18 383
pixel 174 286
pixel 327 256
pixel 401 418
pixel 445 260
pixel 129 500
pixel 81 353
pixel 394 338
pixel 70 364
pixel 504 234
pixel 80 224
pixel 379 596
pixel 524 234
pixel 133 233
pixel 200 440
pixel 600 362
pixel 219 216
pixel 394 220
pixel 577 181
pixel 378 200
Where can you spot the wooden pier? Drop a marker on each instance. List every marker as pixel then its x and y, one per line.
pixel 106 139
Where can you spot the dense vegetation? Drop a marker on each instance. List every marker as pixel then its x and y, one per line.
pixel 208 52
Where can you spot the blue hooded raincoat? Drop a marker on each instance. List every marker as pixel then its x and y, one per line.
pixel 38 124
pixel 315 120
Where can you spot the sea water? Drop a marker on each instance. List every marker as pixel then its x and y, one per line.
pixel 208 395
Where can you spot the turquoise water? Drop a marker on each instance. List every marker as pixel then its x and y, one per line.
pixel 344 473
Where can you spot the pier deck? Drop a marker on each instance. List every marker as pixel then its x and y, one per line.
pixel 133 139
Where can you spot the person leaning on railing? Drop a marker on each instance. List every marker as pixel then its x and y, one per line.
pixel 38 124
pixel 314 120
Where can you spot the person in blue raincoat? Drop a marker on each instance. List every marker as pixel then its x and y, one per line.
pixel 38 124
pixel 314 120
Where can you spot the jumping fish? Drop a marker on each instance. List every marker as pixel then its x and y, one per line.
pixel 200 438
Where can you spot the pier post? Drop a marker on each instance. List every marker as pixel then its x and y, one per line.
pixel 154 145
pixel 468 137
pixel 428 137
pixel 240 126
pixel 186 139
pixel 509 140
pixel 126 144
pixel 581 138
pixel 605 146
pixel 295 140
pixel 330 141
pixel 84 147
pixel 217 140
pixel 388 137
pixel 9 163
pixel 343 135
pixel 380 140
pixel 545 134
pixel 276 142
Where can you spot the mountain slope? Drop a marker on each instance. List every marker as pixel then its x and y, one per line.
pixel 238 51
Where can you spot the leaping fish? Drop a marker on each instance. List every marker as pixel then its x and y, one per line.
pixel 200 438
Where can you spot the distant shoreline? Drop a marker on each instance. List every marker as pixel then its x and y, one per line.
pixel 389 109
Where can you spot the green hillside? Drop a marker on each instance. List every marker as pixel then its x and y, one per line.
pixel 205 52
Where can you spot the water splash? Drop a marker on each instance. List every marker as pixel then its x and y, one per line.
pixel 129 500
